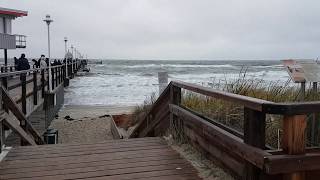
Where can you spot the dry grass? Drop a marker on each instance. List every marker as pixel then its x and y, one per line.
pixel 231 114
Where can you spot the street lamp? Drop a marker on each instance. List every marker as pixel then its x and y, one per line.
pixel 48 20
pixel 72 58
pixel 65 49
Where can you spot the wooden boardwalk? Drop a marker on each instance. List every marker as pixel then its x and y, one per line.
pixel 141 158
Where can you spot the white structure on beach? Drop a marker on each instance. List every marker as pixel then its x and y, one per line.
pixel 7 39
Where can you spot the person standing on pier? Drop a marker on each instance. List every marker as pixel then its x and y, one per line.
pixel 42 62
pixel 35 63
pixel 23 63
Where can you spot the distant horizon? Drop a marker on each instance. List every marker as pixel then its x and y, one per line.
pixel 124 59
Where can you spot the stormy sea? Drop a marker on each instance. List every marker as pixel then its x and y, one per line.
pixel 130 82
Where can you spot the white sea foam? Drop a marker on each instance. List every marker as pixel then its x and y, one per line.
pixel 116 84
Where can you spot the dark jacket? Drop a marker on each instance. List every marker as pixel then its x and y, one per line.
pixel 23 64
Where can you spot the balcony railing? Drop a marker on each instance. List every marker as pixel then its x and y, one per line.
pixel 21 41
pixel 8 41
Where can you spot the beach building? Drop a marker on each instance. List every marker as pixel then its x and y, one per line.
pixel 7 39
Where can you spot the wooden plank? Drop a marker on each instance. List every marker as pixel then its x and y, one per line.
pixel 16 128
pixel 85 158
pixel 149 163
pixel 163 175
pixel 93 167
pixel 284 163
pixel 99 151
pixel 121 146
pixel 43 84
pixel 20 116
pixel 252 103
pixel 216 123
pixel 254 135
pixel 221 138
pixel 163 99
pixel 23 94
pixel 35 87
pixel 154 120
pixel 2 138
pixel 82 162
pixel 48 147
pixel 176 125
pixel 104 171
pixel 293 141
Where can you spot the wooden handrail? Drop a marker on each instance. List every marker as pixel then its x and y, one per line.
pixel 250 102
pixel 245 154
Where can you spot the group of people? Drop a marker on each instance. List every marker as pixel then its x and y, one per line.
pixel 23 64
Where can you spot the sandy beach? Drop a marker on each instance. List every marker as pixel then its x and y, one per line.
pixel 82 124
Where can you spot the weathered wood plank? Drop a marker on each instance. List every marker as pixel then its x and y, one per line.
pixel 293 141
pixel 16 127
pixel 254 135
pixel 221 138
pixel 118 163
pixel 20 116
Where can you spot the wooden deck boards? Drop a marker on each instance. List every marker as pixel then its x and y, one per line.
pixel 143 158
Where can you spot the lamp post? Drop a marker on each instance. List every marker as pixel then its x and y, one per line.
pixel 48 20
pixel 65 49
pixel 72 59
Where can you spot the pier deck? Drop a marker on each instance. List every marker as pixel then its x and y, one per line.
pixel 142 158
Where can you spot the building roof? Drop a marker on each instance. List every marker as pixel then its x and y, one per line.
pixel 12 12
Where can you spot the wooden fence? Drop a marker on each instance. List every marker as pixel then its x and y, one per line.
pixel 16 88
pixel 244 155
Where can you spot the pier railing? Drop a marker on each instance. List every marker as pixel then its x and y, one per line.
pixel 21 93
pixel 244 155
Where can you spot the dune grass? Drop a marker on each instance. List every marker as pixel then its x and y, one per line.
pixel 231 114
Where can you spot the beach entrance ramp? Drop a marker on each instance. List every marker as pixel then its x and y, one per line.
pixel 140 158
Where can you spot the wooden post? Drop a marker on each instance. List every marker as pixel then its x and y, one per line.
pixel 52 76
pixel 60 80
pixel 2 133
pixel 23 92
pixel 57 76
pixel 5 86
pixel 23 123
pixel 35 87
pixel 254 135
pixel 1 119
pixel 6 60
pixel 302 91
pixel 293 140
pixel 42 83
pixel 175 124
pixel 314 129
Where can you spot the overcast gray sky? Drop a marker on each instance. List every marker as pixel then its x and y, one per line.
pixel 173 29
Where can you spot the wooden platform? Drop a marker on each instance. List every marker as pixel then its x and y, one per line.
pixel 141 158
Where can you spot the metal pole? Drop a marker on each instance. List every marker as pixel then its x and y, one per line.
pixel 72 60
pixel 49 56
pixel 66 57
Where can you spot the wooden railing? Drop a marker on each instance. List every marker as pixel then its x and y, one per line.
pixel 15 89
pixel 245 155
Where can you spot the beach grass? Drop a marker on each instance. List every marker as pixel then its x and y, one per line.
pixel 232 114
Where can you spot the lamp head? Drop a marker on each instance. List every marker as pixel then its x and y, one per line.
pixel 48 19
